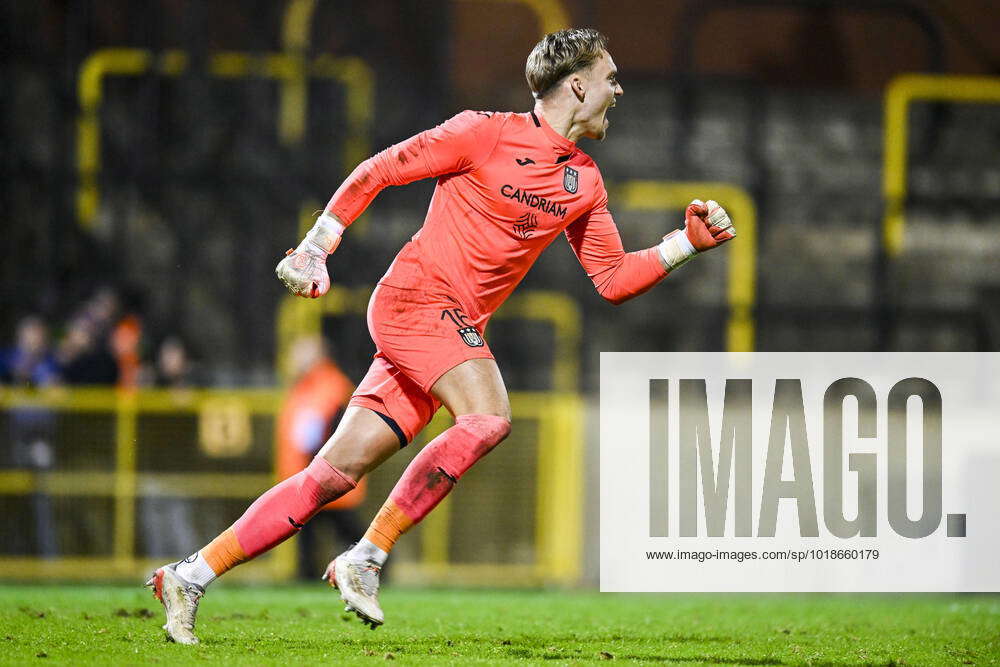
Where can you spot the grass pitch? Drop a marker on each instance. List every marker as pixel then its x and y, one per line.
pixel 288 625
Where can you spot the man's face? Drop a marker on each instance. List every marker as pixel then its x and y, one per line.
pixel 601 87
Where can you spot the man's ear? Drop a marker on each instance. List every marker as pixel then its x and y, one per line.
pixel 576 84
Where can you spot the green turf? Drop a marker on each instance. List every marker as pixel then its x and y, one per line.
pixel 113 625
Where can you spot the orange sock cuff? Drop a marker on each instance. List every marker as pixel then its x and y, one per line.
pixel 389 524
pixel 224 552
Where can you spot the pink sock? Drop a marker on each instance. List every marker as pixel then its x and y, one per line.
pixel 443 461
pixel 284 508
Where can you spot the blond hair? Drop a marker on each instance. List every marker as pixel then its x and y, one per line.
pixel 559 54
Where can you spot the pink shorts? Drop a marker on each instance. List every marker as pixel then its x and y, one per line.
pixel 418 337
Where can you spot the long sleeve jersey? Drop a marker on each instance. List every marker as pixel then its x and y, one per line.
pixel 508 185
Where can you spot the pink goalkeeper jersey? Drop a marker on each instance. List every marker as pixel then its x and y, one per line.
pixel 508 184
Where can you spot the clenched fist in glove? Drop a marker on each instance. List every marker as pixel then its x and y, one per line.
pixel 303 271
pixel 706 226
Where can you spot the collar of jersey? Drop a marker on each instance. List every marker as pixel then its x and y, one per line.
pixel 559 141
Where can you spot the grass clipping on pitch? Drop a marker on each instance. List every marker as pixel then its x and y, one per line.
pixel 290 625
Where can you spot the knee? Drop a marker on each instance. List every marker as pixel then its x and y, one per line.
pixel 322 481
pixel 501 428
pixel 500 410
pixel 491 430
pixel 501 413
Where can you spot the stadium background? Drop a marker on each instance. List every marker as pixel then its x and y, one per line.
pixel 159 156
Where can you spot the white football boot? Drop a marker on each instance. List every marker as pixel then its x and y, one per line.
pixel 180 601
pixel 357 581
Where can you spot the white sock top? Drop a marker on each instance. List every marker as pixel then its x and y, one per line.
pixel 196 570
pixel 367 550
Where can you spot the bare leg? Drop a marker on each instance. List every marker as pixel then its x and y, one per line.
pixel 360 444
pixel 474 387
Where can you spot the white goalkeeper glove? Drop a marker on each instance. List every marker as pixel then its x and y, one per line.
pixel 303 270
pixel 706 226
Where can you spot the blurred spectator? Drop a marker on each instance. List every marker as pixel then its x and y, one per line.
pixel 173 365
pixel 32 429
pixel 84 358
pixel 309 414
pixel 125 339
pixel 30 362
pixel 102 343
pixel 102 308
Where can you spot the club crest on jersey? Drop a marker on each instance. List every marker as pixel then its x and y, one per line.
pixel 471 337
pixel 571 180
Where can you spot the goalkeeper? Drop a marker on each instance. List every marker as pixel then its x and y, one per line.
pixel 508 185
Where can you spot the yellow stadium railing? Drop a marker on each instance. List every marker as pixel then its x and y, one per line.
pixel 900 94
pixel 559 491
pixel 558 506
pixel 742 257
pixel 221 415
pixel 353 73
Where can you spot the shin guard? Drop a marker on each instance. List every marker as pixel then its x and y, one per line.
pixel 440 464
pixel 284 509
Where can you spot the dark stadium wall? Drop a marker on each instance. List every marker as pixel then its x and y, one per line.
pixel 823 48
